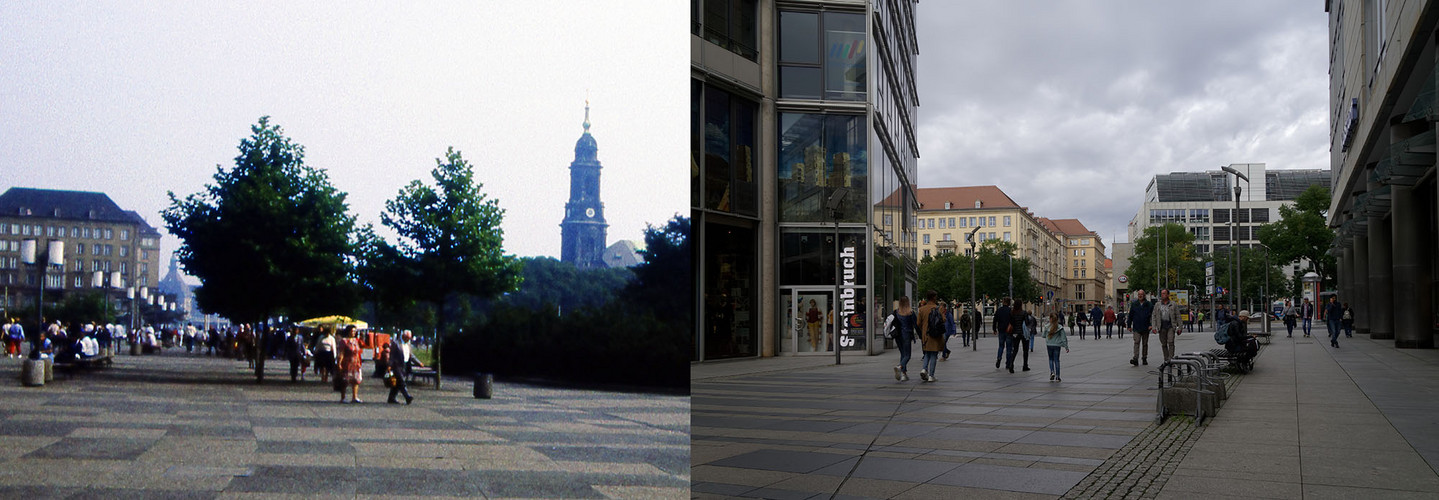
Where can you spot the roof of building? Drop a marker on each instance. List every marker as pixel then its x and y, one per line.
pixel 622 253
pixel 1070 227
pixel 963 198
pixel 1049 225
pixel 66 205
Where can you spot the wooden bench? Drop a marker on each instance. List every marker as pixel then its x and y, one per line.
pixel 425 373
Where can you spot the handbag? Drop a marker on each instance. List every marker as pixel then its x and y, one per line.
pixel 390 379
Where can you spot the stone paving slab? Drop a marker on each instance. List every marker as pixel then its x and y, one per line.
pixel 1310 422
pixel 181 426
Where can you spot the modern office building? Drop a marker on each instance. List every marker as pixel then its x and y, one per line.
pixel 803 166
pixel 947 216
pixel 1203 202
pixel 582 232
pixel 1383 106
pixel 1120 253
pixel 95 237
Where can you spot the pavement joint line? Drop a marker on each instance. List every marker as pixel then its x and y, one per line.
pixel 877 435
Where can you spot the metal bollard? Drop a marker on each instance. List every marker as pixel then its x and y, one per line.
pixel 484 385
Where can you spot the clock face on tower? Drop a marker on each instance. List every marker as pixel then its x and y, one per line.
pixel 589 212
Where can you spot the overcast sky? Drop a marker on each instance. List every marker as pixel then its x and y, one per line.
pixel 135 99
pixel 1072 107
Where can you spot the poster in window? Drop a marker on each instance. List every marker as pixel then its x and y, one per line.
pixel 844 65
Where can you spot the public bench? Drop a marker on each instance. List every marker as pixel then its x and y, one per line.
pixel 84 363
pixel 423 373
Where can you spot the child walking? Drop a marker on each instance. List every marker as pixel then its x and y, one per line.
pixel 1054 338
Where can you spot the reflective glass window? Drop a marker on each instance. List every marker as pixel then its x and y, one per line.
pixel 818 153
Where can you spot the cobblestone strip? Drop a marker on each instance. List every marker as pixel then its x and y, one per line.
pixel 1140 468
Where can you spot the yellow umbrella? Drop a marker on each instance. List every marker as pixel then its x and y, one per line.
pixel 334 321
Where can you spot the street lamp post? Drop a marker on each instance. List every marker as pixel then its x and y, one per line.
pixel 1234 236
pixel 1264 297
pixel 834 205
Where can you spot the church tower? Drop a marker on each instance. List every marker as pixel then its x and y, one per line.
pixel 582 233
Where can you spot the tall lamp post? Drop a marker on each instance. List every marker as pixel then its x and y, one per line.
pixel 1264 297
pixel 55 256
pixel 973 303
pixel 1234 236
pixel 835 204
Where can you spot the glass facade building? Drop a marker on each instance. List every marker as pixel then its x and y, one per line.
pixel 822 111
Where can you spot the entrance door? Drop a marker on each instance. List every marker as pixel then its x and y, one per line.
pixel 808 321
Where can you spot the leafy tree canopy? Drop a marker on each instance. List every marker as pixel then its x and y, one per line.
pixel 1166 249
pixel 1302 233
pixel 949 274
pixel 270 236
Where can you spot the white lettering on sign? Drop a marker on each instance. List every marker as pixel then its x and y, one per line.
pixel 846 295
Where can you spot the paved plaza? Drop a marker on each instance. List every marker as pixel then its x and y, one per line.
pixel 1310 422
pixel 178 426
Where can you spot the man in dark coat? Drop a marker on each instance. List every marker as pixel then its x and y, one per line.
pixel 1138 323
pixel 399 362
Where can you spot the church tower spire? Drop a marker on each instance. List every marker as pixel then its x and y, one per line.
pixel 582 232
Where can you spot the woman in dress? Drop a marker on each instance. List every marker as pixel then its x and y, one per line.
pixel 348 358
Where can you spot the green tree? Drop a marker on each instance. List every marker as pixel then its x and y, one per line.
pixel 549 281
pixel 1251 279
pixel 1153 258
pixel 451 243
pixel 949 274
pixel 269 237
pixel 665 280
pixel 1301 233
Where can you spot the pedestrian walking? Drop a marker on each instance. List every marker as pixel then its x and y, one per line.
pixel 1055 337
pixel 1333 314
pixel 401 359
pixel 1120 319
pixel 14 336
pixel 948 327
pixel 1140 312
pixel 1166 316
pixel 1096 317
pixel 1291 317
pixel 1031 327
pixel 1306 315
pixel 1348 321
pixel 325 350
pixel 1109 319
pixel 348 358
pixel 1017 338
pixel 1001 332
pixel 931 329
pixel 1081 320
pixel 905 316
pixel 966 326
pixel 296 353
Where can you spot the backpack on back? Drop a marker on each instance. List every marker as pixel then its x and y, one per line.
pixel 935 324
pixel 1221 334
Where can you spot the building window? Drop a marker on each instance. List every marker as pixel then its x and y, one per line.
pixel 941 224
pixel 79 282
pixel 1006 220
pixel 89 233
pixel 124 267
pixel 991 222
pixel 1006 236
pixel 822 56
pixel 125 234
pixel 109 234
pixel 1078 292
pixel 79 249
pixel 61 231
pixel 728 23
pixel 97 265
pixel 730 135
pixel 818 153
pixel 945 237
pixel 926 252
pixel 124 251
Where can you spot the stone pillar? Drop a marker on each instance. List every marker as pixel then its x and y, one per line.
pixel 1412 306
pixel 1381 279
pixel 1363 317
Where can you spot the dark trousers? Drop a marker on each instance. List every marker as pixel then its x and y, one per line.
pixel 1014 346
pixel 399 388
pixel 294 369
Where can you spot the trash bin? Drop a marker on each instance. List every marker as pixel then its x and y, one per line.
pixel 484 385
pixel 49 370
pixel 134 349
pixel 33 373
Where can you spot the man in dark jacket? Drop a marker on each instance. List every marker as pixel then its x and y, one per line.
pixel 1138 323
pixel 1096 318
pixel 400 359
pixel 1001 331
pixel 1333 313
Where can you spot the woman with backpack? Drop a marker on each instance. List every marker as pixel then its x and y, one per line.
pixel 931 319
pixel 904 320
pixel 1348 321
pixel 1054 338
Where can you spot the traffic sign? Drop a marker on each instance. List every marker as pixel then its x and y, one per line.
pixel 1209 268
pixel 1209 280
pixel 1209 290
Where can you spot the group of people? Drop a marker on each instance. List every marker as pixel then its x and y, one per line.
pixel 933 324
pixel 1337 317
pixel 341 357
pixel 60 341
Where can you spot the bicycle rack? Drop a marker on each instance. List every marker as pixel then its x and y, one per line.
pixel 1171 374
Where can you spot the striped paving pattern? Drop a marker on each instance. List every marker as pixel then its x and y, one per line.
pixel 176 426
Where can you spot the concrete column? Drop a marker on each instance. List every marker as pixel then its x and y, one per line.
pixel 1363 317
pixel 1381 279
pixel 1412 307
pixel 1346 275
